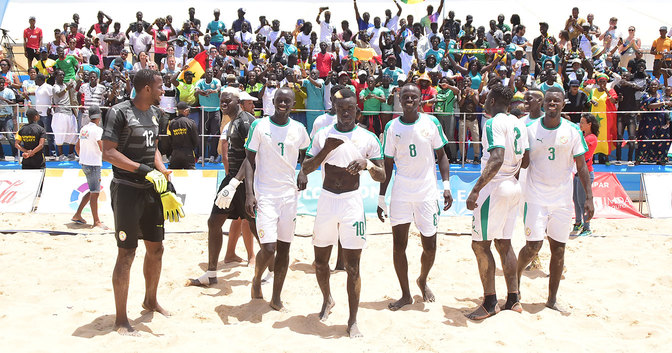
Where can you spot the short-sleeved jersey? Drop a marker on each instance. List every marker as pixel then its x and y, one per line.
pixel 507 132
pixel 527 120
pixel 552 152
pixel 236 134
pixel 210 103
pixel 29 136
pixel 136 132
pixel 322 121
pixel 357 143
pixel 412 148
pixel 277 148
pixel 182 134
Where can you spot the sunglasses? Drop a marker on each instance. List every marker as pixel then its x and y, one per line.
pixel 631 30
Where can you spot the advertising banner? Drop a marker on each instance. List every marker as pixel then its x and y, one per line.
pixel 18 189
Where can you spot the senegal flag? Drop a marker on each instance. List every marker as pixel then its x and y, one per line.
pixel 197 66
pixel 605 112
pixel 411 2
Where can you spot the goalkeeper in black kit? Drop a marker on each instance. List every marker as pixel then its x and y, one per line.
pixel 142 197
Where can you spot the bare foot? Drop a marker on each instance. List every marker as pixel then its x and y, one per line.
pixel 427 294
pixel 256 290
pixel 326 309
pixel 252 261
pixel 481 313
pixel 126 330
pixel 101 225
pixel 234 258
pixel 157 308
pixel 553 305
pixel 278 306
pixel 400 303
pixel 353 331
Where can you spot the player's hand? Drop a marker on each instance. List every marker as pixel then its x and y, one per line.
pixel 172 207
pixel 301 181
pixel 471 200
pixel 356 166
pixel 25 155
pixel 158 179
pixel 382 208
pixel 447 200
pixel 225 196
pixel 251 205
pixel 331 143
pixel 589 210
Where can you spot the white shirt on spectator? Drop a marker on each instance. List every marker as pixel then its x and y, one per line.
pixel 393 23
pixel 326 29
pixel 89 150
pixel 303 39
pixel 241 37
pixel 43 98
pixel 139 41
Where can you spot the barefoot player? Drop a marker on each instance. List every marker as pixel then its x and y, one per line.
pixel 556 146
pixel 495 198
pixel 138 190
pixel 274 145
pixel 343 150
pixel 410 142
pixel 230 200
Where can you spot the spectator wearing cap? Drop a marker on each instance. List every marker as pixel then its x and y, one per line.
pixel 30 141
pixel 360 84
pixel 76 35
pixel 32 41
pixel 43 63
pixel 121 63
pixel 90 150
pixel 247 102
pixel 182 139
pixel 576 102
pixel 662 49
pixel 187 92
pixel 238 23
pixel 519 60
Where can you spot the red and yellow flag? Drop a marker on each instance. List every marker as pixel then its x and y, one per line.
pixel 197 66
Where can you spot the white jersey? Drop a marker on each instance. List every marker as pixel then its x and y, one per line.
pixel 321 121
pixel 358 143
pixel 552 152
pixel 508 132
pixel 412 148
pixel 527 120
pixel 277 148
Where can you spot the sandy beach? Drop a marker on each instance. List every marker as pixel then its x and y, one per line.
pixel 56 295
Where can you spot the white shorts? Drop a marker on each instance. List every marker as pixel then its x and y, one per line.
pixel 496 210
pixel 65 128
pixel 425 214
pixel 340 216
pixel 276 219
pixel 554 221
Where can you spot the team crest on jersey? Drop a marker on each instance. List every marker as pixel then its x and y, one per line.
pixel 154 120
pixel 424 133
pixel 564 140
pixel 528 231
pixel 261 233
pixel 122 236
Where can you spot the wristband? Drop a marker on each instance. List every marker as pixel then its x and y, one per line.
pixel 369 164
pixel 234 182
pixel 143 169
pixel 446 185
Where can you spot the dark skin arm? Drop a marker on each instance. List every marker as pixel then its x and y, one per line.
pixel 585 181
pixel 444 169
pixel 489 172
pixel 117 159
pixel 377 172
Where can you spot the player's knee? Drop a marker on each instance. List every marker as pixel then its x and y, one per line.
pixel 534 246
pixel 215 221
pixel 429 244
pixel 502 245
pixel 478 247
pixel 352 270
pixel 156 250
pixel 268 249
pixel 558 249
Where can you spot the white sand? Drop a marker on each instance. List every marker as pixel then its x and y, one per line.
pixel 56 295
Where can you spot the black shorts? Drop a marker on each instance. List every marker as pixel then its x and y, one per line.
pixel 138 214
pixel 32 54
pixel 237 207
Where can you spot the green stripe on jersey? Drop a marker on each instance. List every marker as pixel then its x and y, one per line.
pixel 488 132
pixel 436 122
pixel 485 210
pixel 583 139
pixel 387 126
pixel 249 134
pixel 377 140
pixel 525 214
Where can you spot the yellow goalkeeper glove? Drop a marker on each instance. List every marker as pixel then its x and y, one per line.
pixel 155 177
pixel 172 207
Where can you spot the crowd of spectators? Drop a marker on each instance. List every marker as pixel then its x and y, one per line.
pixel 454 63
